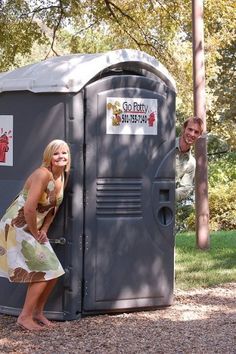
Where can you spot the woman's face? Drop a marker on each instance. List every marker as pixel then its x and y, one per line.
pixel 60 157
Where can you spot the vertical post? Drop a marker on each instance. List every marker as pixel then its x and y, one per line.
pixel 201 177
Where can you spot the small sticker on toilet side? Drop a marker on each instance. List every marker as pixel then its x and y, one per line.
pixel 6 140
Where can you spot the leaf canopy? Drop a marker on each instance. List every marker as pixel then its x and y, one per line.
pixel 33 30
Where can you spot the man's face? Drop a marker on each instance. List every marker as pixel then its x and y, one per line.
pixel 191 133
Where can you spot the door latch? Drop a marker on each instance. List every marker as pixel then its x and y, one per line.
pixel 58 241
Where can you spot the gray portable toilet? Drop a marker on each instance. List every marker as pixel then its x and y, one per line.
pixel 114 232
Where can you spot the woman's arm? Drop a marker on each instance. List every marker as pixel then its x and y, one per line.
pixel 48 220
pixel 36 186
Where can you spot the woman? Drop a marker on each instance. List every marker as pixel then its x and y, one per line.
pixel 25 252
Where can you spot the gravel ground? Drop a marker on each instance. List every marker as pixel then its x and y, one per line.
pixel 199 321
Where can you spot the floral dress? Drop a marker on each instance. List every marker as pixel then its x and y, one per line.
pixel 22 257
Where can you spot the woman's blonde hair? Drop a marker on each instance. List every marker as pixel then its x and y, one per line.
pixel 53 146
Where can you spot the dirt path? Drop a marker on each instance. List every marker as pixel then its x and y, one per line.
pixel 200 321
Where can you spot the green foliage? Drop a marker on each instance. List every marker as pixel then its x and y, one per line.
pixel 185 215
pixel 216 146
pixel 222 115
pixel 162 29
pixel 221 192
pixel 18 33
pixel 222 207
pixel 196 268
pixel 222 169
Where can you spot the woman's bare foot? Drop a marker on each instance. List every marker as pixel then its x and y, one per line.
pixel 28 323
pixel 42 319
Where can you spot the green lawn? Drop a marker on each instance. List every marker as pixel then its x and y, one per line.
pixel 195 268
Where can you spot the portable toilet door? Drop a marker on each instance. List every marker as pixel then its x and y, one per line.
pixel 129 194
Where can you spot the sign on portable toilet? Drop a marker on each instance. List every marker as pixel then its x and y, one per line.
pixel 114 233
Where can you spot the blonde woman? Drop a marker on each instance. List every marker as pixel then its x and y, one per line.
pixel 26 255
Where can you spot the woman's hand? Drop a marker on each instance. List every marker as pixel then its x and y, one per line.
pixel 42 236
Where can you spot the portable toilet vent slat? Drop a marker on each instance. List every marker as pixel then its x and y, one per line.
pixel 114 233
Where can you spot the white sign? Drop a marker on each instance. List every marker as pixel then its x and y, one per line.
pixel 6 140
pixel 137 116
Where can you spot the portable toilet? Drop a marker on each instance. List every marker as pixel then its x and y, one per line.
pixel 114 233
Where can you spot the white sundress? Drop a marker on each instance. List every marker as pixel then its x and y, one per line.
pixel 22 258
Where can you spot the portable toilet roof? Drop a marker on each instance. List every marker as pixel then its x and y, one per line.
pixel 70 73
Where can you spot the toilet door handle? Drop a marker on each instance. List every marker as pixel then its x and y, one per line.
pixel 58 241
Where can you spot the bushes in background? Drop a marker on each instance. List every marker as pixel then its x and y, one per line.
pixel 222 196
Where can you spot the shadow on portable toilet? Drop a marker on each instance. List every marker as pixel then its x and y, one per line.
pixel 114 232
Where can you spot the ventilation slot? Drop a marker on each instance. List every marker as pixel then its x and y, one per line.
pixel 119 197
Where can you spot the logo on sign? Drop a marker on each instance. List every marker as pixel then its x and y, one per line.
pixel 131 116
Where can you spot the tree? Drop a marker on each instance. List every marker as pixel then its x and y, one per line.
pixel 17 33
pixel 32 30
pixel 223 86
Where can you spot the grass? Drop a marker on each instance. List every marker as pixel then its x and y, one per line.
pixel 195 268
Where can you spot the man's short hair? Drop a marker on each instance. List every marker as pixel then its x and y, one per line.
pixel 195 120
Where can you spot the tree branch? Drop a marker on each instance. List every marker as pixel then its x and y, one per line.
pixel 147 44
pixel 55 29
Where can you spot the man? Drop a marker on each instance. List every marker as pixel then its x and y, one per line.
pixel 185 162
